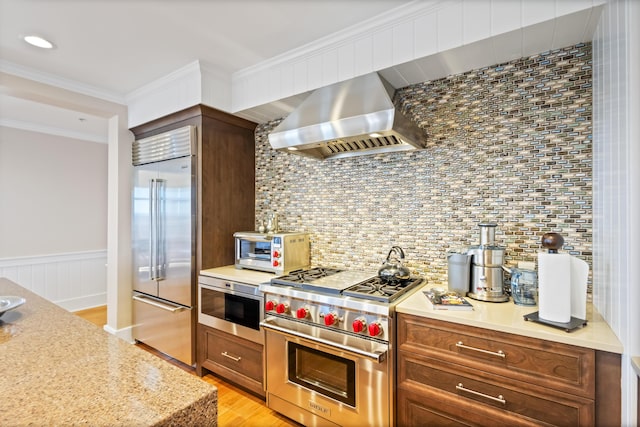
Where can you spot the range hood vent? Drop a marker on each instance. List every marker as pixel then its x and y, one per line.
pixel 351 118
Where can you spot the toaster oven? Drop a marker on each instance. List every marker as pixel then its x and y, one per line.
pixel 277 253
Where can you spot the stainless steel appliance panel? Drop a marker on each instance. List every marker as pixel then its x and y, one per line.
pixel 163 241
pixel 163 325
pixel 178 209
pixel 324 326
pixel 235 308
pixel 144 261
pixel 163 229
pixel 277 253
pixel 313 395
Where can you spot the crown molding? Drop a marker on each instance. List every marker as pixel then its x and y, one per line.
pixel 394 17
pixel 151 87
pixel 53 80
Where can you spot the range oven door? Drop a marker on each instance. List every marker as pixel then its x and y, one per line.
pixel 235 308
pixel 312 372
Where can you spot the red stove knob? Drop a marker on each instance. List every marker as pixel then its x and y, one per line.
pixel 358 325
pixel 270 305
pixel 276 254
pixel 330 319
pixel 302 313
pixel 276 263
pixel 375 329
pixel 282 308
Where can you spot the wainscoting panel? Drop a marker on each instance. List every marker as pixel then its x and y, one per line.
pixel 73 281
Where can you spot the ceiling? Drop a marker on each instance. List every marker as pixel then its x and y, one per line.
pixel 110 48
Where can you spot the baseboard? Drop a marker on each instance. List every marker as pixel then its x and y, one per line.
pixel 124 333
pixel 83 302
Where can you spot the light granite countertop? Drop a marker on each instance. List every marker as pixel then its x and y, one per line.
pixel 505 317
pixel 508 317
pixel 229 272
pixel 59 369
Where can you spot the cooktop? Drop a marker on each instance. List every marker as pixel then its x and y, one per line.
pixel 354 283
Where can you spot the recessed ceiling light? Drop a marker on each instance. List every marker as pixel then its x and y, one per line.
pixel 38 42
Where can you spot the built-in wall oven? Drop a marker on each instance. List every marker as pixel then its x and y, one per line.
pixel 232 307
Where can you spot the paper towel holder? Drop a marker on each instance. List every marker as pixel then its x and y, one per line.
pixel 571 325
pixel 553 242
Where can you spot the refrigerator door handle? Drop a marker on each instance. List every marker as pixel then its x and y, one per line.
pixel 157 258
pixel 165 306
pixel 152 229
pixel 161 217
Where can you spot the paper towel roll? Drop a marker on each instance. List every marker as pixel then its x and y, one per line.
pixel 554 287
pixel 579 276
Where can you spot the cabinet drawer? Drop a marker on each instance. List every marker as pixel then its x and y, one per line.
pixel 528 401
pixel 417 407
pixel 231 357
pixel 559 366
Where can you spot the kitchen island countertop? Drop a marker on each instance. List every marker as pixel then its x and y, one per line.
pixel 508 317
pixel 59 369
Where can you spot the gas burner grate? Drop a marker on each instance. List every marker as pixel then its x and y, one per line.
pixel 373 288
pixel 378 290
pixel 305 275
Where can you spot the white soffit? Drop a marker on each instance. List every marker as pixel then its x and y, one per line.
pixel 503 31
pixel 20 113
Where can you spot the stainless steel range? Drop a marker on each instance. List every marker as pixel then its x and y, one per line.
pixel 329 338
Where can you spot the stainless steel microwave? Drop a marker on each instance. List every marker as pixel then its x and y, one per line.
pixel 277 253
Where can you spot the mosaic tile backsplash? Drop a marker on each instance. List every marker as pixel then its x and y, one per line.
pixel 510 143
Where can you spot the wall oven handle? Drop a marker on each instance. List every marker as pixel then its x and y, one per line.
pixel 377 356
pixel 171 308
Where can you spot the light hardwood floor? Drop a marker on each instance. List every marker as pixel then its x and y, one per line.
pixel 236 407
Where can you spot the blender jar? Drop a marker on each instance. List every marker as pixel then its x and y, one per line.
pixel 524 286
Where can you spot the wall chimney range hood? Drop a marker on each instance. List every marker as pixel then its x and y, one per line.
pixel 351 118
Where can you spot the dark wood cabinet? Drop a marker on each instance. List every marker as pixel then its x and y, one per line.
pixel 450 374
pixel 231 357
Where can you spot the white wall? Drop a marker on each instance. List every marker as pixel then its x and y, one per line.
pixel 616 246
pixel 54 194
pixel 53 216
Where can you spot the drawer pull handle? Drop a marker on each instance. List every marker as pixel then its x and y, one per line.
pixel 498 353
pixel 227 355
pixel 499 399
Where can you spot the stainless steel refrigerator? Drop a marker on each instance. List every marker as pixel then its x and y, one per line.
pixel 164 224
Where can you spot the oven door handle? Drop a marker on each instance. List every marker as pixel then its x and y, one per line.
pixel 377 356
